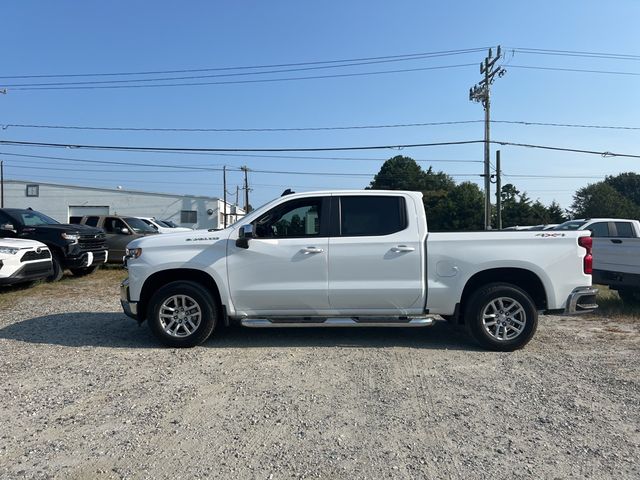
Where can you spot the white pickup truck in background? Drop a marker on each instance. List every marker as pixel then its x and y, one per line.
pixel 616 253
pixel 354 258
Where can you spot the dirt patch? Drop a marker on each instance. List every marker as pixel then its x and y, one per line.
pixel 86 393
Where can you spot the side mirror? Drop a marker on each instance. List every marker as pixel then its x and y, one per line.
pixel 8 226
pixel 244 234
pixel 124 231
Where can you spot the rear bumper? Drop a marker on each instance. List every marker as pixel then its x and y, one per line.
pixel 581 300
pixel 130 308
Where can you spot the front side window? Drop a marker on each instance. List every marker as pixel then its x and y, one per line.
pixel 294 219
pixel 113 225
pixel 371 216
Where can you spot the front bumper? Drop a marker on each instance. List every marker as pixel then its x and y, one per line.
pixel 581 300
pixel 29 272
pixel 130 308
pixel 87 259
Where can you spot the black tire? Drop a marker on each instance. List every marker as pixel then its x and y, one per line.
pixel 198 297
pixel 629 296
pixel 81 272
pixel 518 307
pixel 58 268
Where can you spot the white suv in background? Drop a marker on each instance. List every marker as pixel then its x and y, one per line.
pixel 23 261
pixel 161 226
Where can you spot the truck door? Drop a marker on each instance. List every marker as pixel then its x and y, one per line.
pixel 375 255
pixel 117 239
pixel 284 269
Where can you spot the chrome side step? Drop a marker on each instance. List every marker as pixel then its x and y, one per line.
pixel 337 322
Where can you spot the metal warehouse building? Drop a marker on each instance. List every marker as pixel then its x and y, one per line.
pixel 64 201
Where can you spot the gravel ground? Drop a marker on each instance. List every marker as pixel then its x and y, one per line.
pixel 86 393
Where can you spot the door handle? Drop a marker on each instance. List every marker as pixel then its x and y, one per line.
pixel 312 250
pixel 402 248
pixel 615 240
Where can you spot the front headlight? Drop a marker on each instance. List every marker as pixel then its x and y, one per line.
pixel 73 237
pixel 133 252
pixel 9 250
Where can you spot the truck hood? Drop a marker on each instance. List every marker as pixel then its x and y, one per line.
pixel 63 228
pixel 204 237
pixel 20 243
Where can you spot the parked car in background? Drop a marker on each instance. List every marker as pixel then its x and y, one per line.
pixel 23 261
pixel 79 248
pixel 162 226
pixel 119 231
pixel 174 224
pixel 616 253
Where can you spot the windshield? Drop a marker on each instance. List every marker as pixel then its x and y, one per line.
pixel 139 226
pixel 570 225
pixel 162 223
pixel 169 223
pixel 31 217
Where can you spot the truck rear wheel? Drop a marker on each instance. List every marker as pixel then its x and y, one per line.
pixel 182 314
pixel 501 317
pixel 629 295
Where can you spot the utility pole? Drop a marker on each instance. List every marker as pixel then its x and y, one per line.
pixel 224 196
pixel 481 92
pixel 1 183
pixel 245 169
pixel 498 191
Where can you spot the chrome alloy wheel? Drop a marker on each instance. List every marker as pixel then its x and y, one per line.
pixel 504 318
pixel 180 316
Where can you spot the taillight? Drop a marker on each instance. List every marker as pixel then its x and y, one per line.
pixel 587 244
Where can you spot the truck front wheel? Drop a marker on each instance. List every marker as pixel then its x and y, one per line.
pixel 182 314
pixel 501 316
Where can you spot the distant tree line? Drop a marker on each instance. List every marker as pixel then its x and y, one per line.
pixel 455 206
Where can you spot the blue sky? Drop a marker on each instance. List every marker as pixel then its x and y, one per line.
pixel 64 37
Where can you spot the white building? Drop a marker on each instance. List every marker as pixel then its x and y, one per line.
pixel 64 201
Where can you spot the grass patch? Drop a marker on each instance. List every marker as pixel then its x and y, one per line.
pixel 105 281
pixel 611 305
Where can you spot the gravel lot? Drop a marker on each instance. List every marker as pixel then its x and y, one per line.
pixel 86 393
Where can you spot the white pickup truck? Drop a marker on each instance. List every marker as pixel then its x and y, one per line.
pixel 354 258
pixel 616 253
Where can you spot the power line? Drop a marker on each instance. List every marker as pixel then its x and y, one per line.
pixel 211 169
pixel 192 149
pixel 237 82
pixel 407 56
pixel 281 129
pixel 6 126
pixel 572 150
pixel 573 53
pixel 570 125
pixel 216 75
pixel 575 70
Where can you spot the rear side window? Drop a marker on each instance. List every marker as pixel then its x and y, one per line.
pixel 624 230
pixel 92 221
pixel 371 216
pixel 600 229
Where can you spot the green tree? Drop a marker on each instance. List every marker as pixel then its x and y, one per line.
pixel 399 173
pixel 602 200
pixel 626 184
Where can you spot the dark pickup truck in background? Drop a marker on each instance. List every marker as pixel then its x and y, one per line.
pixel 79 248
pixel 119 232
